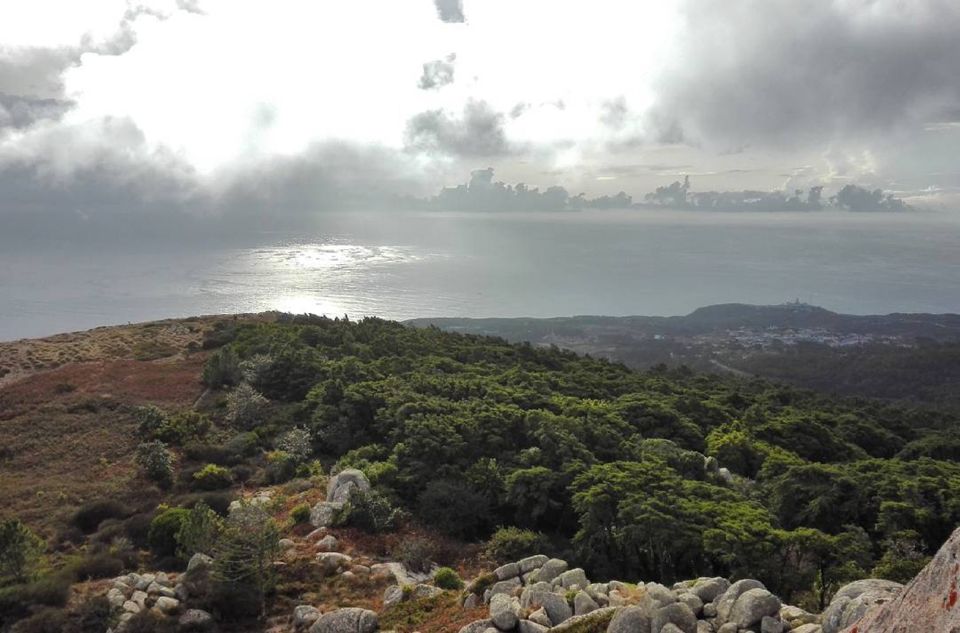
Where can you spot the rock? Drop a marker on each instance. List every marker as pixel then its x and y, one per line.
pixel 771 625
pixel 198 561
pixel 630 620
pixel 807 628
pixel 478 626
pixel 422 591
pixel 116 598
pixel 360 569
pixel 504 611
pixel 286 543
pixel 145 581
pixel 527 626
pixel 725 475
pixel 328 543
pixel 162 579
pixel 304 616
pixel 594 621
pixel 670 627
pixel 540 617
pixel 348 575
pixel 531 563
pixel 196 620
pixel 707 589
pixel 677 614
pixel 349 620
pixel 711 465
pixel 729 627
pixel 154 589
pixel 131 607
pixel 726 600
pixel 692 601
pixel 316 535
pixel 709 610
pixel 551 569
pixel 139 598
pixel 167 605
pixel 704 627
pixel 573 577
pixel 929 602
pixel 583 603
pixel 790 613
pixel 343 484
pixel 471 601
pixel 393 595
pixel 853 600
pixel 332 562
pixel 505 586
pixel 505 572
pixel 556 607
pixel 752 605
pixel 325 513
pixel 660 594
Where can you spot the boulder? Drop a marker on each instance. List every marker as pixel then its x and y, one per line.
pixel 344 483
pixel 583 603
pixel 131 607
pixel 752 605
pixel 853 600
pixel 422 591
pixel 505 587
pixel 167 605
pixel 660 594
pixel 139 598
pixel 551 569
pixel 528 626
pixel 726 600
pixel 707 589
pixel 630 620
pixel 198 562
pixel 332 562
pixel 504 612
pixel 771 625
pixel 328 543
pixel 325 513
pixel 556 608
pixel 116 598
pixel 540 617
pixel 530 563
pixel 349 620
pixel 573 578
pixel 478 626
pixel 670 627
pixel 392 595
pixel 304 616
pixel 508 571
pixel 196 620
pixel 704 627
pixel 929 602
pixel 677 614
pixel 593 621
pixel 692 601
pixel 807 628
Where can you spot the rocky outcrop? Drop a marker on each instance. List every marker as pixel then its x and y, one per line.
pixel 928 603
pixel 132 593
pixel 350 620
pixel 852 601
pixel 339 489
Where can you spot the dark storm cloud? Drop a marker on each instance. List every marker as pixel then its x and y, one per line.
pixel 775 72
pixel 477 133
pixel 437 73
pixel 450 10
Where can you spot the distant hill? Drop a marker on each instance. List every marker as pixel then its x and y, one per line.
pixel 913 357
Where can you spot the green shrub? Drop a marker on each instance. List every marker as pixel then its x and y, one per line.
pixel 164 528
pixel 296 443
pixel 51 590
pixel 222 369
pixel 156 462
pixel 199 531
pixel 510 544
pixel 183 426
pixel 20 551
pixel 281 467
pixel 453 508
pixel 416 553
pixel 95 566
pixel 47 620
pixel 149 622
pixel 371 511
pixel 300 513
pixel 243 569
pixel 447 578
pixel 89 517
pixel 245 406
pixel 150 419
pixel 137 529
pixel 93 616
pixel 212 477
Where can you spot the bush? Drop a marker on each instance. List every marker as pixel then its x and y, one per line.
pixel 210 453
pixel 156 462
pixel 137 529
pixel 371 511
pixel 20 550
pixel 89 517
pixel 183 426
pixel 212 477
pixel 218 501
pixel 447 578
pixel 453 508
pixel 509 544
pixel 164 528
pixel 222 369
pixel 52 591
pixel 44 621
pixel 150 419
pixel 280 467
pixel 300 513
pixel 296 443
pixel 416 553
pixel 93 616
pixel 243 569
pixel 245 406
pixel 149 622
pixel 102 565
pixel 199 531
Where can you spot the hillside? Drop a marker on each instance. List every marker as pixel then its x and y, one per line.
pixel 474 452
pixel 909 357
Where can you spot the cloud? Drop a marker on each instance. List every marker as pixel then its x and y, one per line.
pixel 477 133
pixel 438 73
pixel 450 10
pixel 21 112
pixel 772 73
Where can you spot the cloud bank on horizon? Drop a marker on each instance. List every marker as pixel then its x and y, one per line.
pixel 294 106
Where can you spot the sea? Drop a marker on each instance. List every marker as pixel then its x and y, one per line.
pixel 400 265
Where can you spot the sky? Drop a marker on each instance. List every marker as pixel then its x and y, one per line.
pixel 160 109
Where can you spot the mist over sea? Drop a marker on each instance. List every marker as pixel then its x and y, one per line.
pixel 404 265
